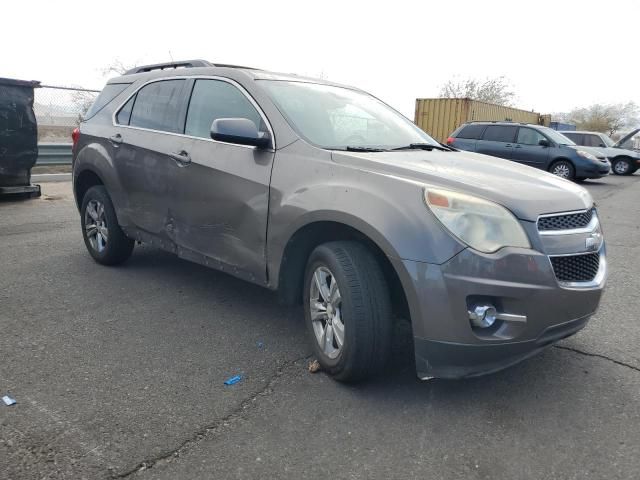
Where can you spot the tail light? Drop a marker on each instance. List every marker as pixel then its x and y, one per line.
pixel 75 135
pixel 450 140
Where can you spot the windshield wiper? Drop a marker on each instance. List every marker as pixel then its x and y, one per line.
pixel 423 146
pixel 350 148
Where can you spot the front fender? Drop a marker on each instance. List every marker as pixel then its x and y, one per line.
pixel 307 187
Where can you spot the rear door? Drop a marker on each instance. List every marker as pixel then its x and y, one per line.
pixel 219 201
pixel 528 150
pixel 148 125
pixel 497 140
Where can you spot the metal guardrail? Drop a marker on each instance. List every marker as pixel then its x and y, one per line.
pixel 54 154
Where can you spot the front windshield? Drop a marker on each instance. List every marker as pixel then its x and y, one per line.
pixel 607 140
pixel 336 118
pixel 557 137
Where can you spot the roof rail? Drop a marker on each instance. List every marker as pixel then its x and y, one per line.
pixel 179 64
pixel 164 66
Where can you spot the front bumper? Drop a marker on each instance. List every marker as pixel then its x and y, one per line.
pixel 516 281
pixel 595 170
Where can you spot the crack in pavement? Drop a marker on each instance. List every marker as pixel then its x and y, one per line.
pixel 598 355
pixel 205 432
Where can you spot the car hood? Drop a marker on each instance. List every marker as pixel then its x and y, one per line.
pixel 525 191
pixel 611 152
pixel 622 141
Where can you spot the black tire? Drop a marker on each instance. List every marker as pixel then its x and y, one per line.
pixel 118 246
pixel 622 166
pixel 365 310
pixel 563 166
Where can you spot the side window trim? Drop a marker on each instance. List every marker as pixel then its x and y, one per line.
pixel 188 89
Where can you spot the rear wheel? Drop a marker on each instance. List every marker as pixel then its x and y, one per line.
pixel 102 235
pixel 622 166
pixel 347 310
pixel 563 169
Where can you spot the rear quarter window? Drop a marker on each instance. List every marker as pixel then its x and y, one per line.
pixel 108 93
pixel 471 132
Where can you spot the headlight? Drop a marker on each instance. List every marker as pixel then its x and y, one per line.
pixel 481 224
pixel 584 154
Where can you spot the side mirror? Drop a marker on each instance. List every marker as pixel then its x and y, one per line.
pixel 543 142
pixel 239 130
pixel 602 145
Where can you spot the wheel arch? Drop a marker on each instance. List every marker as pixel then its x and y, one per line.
pixel 290 274
pixel 83 181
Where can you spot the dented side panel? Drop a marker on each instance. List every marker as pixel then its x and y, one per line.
pixel 219 206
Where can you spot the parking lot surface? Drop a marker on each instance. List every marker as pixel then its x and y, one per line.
pixel 118 372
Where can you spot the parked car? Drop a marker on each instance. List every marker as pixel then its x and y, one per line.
pixel 333 198
pixel 624 159
pixel 532 145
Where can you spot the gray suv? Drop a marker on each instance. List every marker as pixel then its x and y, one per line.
pixel 532 145
pixel 340 203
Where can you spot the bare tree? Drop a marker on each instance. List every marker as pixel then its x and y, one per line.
pixel 493 90
pixel 82 102
pixel 609 119
pixel 117 67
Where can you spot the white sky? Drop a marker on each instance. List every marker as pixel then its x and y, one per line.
pixel 558 55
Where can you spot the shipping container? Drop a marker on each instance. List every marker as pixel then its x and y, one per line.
pixel 562 126
pixel 441 116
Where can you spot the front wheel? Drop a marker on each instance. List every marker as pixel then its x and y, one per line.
pixel 103 237
pixel 563 169
pixel 622 166
pixel 347 310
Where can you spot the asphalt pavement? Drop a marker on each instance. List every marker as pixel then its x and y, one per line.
pixel 119 373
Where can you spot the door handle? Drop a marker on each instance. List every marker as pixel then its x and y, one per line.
pixel 182 158
pixel 508 145
pixel 518 146
pixel 116 139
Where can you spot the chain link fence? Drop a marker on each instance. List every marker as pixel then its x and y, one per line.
pixel 59 110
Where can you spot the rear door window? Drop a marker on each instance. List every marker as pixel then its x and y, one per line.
pixel 213 99
pixel 500 133
pixel 592 141
pixel 471 132
pixel 529 136
pixel 157 106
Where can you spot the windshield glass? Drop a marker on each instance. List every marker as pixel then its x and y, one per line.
pixel 557 137
pixel 336 118
pixel 607 140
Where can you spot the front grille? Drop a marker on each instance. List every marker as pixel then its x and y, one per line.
pixel 576 268
pixel 568 221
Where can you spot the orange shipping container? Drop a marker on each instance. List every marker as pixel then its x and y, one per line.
pixel 441 116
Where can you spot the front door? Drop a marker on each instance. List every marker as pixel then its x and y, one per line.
pixel 219 200
pixel 528 150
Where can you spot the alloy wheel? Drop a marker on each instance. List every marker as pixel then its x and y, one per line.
pixel 95 225
pixel 326 312
pixel 561 170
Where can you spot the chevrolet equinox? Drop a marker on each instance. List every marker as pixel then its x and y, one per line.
pixel 328 195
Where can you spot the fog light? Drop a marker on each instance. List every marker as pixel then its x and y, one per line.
pixel 483 316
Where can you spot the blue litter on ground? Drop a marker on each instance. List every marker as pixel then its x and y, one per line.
pixel 8 400
pixel 259 344
pixel 233 380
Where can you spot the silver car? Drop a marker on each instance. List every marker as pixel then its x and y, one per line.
pixel 333 198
